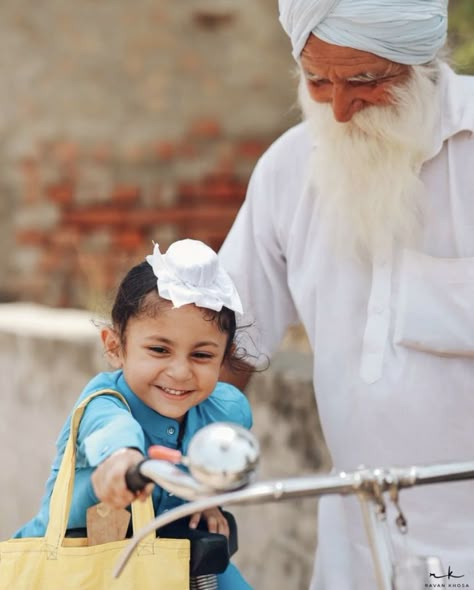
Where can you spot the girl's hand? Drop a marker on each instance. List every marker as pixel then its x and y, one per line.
pixel 216 521
pixel 108 479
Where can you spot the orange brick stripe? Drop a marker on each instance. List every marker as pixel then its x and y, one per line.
pixel 107 216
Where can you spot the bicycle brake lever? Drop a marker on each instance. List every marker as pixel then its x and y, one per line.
pixel 174 480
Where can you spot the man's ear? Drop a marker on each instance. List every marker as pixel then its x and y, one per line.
pixel 112 347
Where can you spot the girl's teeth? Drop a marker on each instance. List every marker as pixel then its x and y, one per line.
pixel 173 391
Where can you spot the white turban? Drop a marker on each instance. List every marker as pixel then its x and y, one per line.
pixel 404 31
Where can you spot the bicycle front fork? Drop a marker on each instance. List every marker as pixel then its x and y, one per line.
pixel 407 573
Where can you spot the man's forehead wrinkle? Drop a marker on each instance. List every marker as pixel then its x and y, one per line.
pixel 371 75
pixel 341 60
pixel 361 67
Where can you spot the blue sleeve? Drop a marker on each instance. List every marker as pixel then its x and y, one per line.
pixel 227 403
pixel 106 426
pixel 247 419
pixel 238 401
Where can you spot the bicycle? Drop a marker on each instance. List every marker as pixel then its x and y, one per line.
pixel 222 459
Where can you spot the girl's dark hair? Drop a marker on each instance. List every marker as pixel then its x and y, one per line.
pixel 132 299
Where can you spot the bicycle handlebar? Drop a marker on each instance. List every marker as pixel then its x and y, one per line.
pixel 365 482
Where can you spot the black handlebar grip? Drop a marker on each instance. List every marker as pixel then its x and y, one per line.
pixel 134 479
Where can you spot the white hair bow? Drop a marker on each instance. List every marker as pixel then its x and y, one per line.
pixel 190 272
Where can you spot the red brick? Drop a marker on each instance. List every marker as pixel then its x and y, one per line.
pixel 65 238
pixel 251 149
pixel 128 240
pixel 219 187
pixel 190 62
pixel 66 151
pixel 29 165
pixel 225 165
pixel 125 195
pixel 104 269
pixel 135 153
pixel 213 236
pixel 207 225
pixel 60 193
pixel 188 193
pixel 31 173
pixel 51 260
pixel 186 149
pixel 165 150
pixel 31 237
pixel 101 153
pixel 215 189
pixel 97 216
pixel 154 194
pixel 206 129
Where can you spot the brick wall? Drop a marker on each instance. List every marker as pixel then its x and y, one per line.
pixel 127 123
pixel 88 221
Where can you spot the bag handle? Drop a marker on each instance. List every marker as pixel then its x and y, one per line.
pixel 60 502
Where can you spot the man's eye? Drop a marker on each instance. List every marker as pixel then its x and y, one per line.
pixel 378 81
pixel 366 83
pixel 318 83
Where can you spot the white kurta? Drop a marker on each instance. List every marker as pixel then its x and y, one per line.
pixel 393 344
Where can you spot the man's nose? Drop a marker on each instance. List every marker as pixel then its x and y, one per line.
pixel 344 103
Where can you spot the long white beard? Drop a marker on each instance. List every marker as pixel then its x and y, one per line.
pixel 367 170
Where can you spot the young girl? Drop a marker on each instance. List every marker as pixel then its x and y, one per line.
pixel 173 325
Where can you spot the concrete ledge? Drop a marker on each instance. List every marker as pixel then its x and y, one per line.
pixel 48 355
pixel 32 320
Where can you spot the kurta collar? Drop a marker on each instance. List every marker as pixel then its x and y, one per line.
pixel 457 106
pixel 158 428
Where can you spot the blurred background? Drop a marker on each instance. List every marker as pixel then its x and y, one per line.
pixel 127 122
pixel 122 123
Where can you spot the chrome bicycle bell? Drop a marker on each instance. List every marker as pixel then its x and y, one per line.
pixel 223 456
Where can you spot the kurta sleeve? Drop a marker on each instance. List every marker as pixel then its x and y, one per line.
pixel 247 419
pixel 106 426
pixel 253 255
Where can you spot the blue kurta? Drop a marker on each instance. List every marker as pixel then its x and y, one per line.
pixel 107 425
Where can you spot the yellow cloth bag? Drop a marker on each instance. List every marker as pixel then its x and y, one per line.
pixel 54 562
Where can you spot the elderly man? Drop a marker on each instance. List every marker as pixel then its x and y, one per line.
pixel 359 222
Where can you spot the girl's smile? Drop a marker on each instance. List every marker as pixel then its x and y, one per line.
pixel 174 392
pixel 170 358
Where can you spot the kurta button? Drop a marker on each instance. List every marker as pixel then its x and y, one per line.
pixel 171 430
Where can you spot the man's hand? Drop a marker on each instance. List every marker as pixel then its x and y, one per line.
pixel 216 521
pixel 108 480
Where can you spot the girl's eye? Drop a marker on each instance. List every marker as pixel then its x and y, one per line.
pixel 203 355
pixel 158 349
